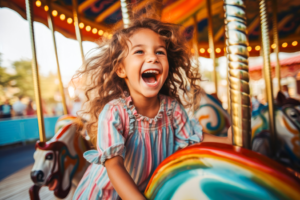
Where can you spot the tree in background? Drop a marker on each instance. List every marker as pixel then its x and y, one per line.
pixel 20 82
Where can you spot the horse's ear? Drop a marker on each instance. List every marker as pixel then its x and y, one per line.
pixel 280 98
pixel 216 97
pixel 39 144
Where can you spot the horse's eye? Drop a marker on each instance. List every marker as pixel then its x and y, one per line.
pixel 293 115
pixel 49 156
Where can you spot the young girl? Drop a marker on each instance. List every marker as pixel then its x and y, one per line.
pixel 134 85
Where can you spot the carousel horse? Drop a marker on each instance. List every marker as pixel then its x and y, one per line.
pixel 211 115
pixel 221 171
pixel 59 162
pixel 215 120
pixel 287 121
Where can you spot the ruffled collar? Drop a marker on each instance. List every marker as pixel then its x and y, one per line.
pixel 129 105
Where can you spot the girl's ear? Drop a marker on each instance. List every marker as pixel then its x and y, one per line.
pixel 121 71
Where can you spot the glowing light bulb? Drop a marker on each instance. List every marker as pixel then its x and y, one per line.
pixel 218 50
pixel 273 46
pixel 94 30
pixel 249 48
pixel 208 50
pixel 202 50
pixel 257 48
pixel 295 43
pixel 284 45
pixel 38 3
pixel 88 28
pixel 54 13
pixel 69 20
pixel 81 25
pixel 46 8
pixel 62 17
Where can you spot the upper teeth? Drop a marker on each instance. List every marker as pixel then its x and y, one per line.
pixel 152 71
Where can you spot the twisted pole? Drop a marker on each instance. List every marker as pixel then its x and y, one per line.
pixel 51 27
pixel 211 43
pixel 267 69
pixel 276 42
pixel 238 75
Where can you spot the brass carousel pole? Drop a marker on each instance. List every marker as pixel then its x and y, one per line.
pixel 61 87
pixel 195 41
pixel 267 69
pixel 125 13
pixel 275 38
pixel 35 72
pixel 211 43
pixel 237 56
pixel 77 29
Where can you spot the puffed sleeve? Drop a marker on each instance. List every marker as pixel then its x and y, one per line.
pixel 187 131
pixel 110 140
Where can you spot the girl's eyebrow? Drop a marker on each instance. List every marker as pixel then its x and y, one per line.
pixel 140 45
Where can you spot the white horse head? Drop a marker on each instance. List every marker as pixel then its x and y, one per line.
pixel 60 161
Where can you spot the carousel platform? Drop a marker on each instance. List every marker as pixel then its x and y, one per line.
pixel 16 186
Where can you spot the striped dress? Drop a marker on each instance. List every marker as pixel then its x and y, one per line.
pixel 143 143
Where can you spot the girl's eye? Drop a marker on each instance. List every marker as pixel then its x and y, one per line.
pixel 160 53
pixel 138 52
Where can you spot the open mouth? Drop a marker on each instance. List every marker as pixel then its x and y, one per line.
pixel 150 76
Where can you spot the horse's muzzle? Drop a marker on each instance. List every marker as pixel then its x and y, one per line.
pixel 37 176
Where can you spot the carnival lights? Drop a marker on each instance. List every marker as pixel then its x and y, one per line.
pixel 54 13
pixel 249 48
pixel 218 50
pixel 38 3
pixel 257 48
pixel 62 17
pixel 284 45
pixel 295 43
pixel 81 25
pixel 94 30
pixel 273 46
pixel 69 20
pixel 202 50
pixel 88 28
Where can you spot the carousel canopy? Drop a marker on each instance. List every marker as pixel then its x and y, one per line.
pixel 98 18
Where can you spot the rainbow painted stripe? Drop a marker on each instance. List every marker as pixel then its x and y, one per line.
pixel 219 171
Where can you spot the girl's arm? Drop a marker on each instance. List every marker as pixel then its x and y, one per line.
pixel 211 138
pixel 121 180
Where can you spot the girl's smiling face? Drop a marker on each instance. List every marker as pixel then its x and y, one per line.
pixel 146 67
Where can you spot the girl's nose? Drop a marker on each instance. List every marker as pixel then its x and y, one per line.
pixel 152 58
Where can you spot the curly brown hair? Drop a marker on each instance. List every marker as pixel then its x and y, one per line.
pixel 105 85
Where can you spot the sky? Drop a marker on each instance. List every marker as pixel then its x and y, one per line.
pixel 15 45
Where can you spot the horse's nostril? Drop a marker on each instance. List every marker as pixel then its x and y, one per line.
pixel 37 176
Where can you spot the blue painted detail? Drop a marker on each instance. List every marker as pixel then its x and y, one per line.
pixel 214 100
pixel 26 129
pixel 209 126
pixel 62 163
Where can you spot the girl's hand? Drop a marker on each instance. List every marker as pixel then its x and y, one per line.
pixel 121 180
